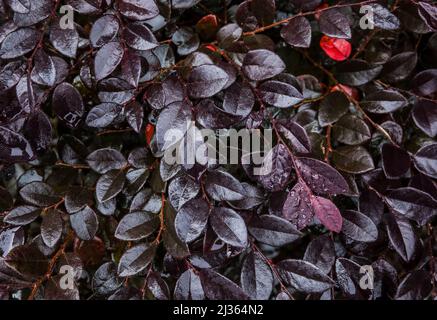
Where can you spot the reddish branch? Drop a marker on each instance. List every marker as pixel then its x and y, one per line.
pixel 52 263
pixel 308 13
pixel 161 220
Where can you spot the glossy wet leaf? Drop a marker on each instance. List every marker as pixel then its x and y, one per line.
pixel 229 226
pixel 39 194
pixel 136 259
pixel 262 64
pixel 191 219
pixel 68 104
pixel 358 226
pixel 136 225
pixel 425 160
pixel 256 277
pixel 327 213
pixel 85 223
pixel 297 32
pixel 206 80
pixel 353 159
pixel 334 24
pixel 273 230
pixel 18 43
pixel 218 287
pixel 304 276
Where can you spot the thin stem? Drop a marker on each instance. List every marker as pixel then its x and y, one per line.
pixel 161 220
pixel 328 149
pixel 302 14
pixel 51 266
pixel 431 259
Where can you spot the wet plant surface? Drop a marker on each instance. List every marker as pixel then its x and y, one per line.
pixel 90 209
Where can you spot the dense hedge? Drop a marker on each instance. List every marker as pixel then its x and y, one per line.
pixel 90 210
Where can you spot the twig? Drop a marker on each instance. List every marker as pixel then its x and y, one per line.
pixel 161 220
pixel 328 149
pixel 302 14
pixel 52 264
pixel 351 99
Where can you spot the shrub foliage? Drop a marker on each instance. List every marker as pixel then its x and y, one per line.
pixel 86 196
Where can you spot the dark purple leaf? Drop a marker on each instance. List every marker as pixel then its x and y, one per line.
pixel 332 108
pixel 327 213
pixel 321 253
pixel 105 160
pixel 262 64
pixel 105 279
pixel 273 230
pixel 304 276
pixel 357 72
pixel 238 100
pixel 297 207
pixel 22 215
pixel 412 203
pixel 38 131
pixel 136 226
pixel 383 18
pixel 66 41
pixel 425 160
pixel 229 226
pixel 275 170
pixel 14 147
pixel 218 287
pixel 139 37
pixel 256 277
pixel 138 9
pixel 18 43
pixel 222 186
pixel 334 24
pixel 297 32
pixel 425 117
pixel 104 30
pixel 181 190
pixel 107 59
pixel 51 227
pixel 174 120
pixel 415 286
pixel 39 194
pixel 85 223
pixel 205 81
pixel 103 115
pixel 428 13
pixel 401 235
pixel 384 101
pixel 189 287
pixel 67 104
pixel 321 177
pixel 399 66
pixel 353 159
pixel 191 220
pixel 358 226
pixel 395 161
pixel 351 130
pixel 110 185
pixel 136 259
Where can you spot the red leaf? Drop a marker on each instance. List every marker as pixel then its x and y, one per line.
pixel 336 49
pixel 318 10
pixel 327 213
pixel 150 131
pixel 207 26
pixel 351 92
